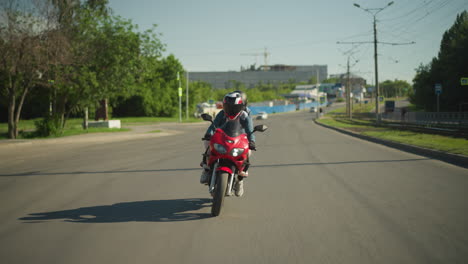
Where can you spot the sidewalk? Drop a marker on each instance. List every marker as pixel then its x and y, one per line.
pixel 136 132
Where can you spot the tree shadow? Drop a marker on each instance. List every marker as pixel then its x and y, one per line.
pixel 40 173
pixel 141 211
pixel 337 163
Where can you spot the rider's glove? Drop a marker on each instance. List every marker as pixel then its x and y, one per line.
pixel 252 145
pixel 207 137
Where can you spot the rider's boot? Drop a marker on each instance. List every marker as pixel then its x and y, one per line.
pixel 244 173
pixel 239 187
pixel 205 174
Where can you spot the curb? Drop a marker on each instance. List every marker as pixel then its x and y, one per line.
pixel 454 159
pixel 94 138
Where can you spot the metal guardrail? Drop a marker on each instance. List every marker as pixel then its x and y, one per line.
pixel 446 123
pixel 453 119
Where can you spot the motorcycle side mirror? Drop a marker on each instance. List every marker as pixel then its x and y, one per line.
pixel 260 128
pixel 207 117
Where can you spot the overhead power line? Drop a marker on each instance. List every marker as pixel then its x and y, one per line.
pixel 374 12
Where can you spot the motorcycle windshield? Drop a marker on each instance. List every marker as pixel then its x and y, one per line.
pixel 233 128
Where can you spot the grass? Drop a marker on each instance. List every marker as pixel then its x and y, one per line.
pixel 414 108
pixel 74 122
pixel 345 123
pixel 430 141
pixel 66 133
pixel 361 111
pixel 23 125
pixel 73 126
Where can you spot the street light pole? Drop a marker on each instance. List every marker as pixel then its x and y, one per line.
pixel 187 96
pixel 180 97
pixel 374 12
pixel 376 67
pixel 348 93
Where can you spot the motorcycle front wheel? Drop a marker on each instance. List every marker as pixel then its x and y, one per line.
pixel 219 192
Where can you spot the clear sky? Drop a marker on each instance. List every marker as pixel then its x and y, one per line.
pixel 212 35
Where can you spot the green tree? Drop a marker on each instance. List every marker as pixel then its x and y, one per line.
pixel 396 88
pixel 22 59
pixel 331 80
pixel 110 56
pixel 447 68
pixel 312 80
pixel 103 51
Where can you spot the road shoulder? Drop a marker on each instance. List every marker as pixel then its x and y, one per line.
pixel 459 160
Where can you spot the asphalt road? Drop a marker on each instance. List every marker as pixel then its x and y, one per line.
pixel 313 196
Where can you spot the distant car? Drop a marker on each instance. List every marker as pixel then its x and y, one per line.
pixel 313 109
pixel 262 115
pixel 329 103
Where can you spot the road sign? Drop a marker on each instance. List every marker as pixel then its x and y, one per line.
pixel 381 98
pixel 438 88
pixel 464 81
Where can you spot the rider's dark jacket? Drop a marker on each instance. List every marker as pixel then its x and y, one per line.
pixel 244 118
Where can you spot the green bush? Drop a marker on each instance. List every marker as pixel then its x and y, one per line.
pixel 339 100
pixel 48 126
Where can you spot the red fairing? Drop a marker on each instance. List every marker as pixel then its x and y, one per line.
pixel 229 143
pixel 226 169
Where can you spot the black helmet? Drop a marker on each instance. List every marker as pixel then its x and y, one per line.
pixel 244 98
pixel 233 104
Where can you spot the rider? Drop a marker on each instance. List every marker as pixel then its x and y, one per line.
pixel 234 106
pixel 244 101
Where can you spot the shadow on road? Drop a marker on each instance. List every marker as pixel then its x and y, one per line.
pixel 333 163
pixel 143 211
pixel 39 173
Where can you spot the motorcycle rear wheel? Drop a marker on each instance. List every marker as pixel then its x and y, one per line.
pixel 219 193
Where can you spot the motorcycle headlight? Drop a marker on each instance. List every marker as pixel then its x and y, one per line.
pixel 237 152
pixel 220 148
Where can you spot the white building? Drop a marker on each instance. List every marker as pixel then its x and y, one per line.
pixel 307 93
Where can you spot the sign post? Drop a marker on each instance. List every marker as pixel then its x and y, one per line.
pixel 464 81
pixel 51 83
pixel 438 91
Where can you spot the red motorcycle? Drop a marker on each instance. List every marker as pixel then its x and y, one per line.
pixel 228 153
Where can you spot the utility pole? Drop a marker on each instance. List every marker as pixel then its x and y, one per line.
pixel 348 93
pixel 349 109
pixel 377 107
pixel 180 98
pixel 317 81
pixel 186 96
pixel 374 12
